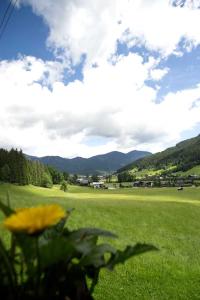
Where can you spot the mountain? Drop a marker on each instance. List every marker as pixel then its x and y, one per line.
pixel 99 164
pixel 182 157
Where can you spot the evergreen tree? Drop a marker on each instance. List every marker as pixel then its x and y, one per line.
pixel 5 173
pixel 22 169
pixel 16 168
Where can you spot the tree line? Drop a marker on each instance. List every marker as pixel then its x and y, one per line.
pixel 16 168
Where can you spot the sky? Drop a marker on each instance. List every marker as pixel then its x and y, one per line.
pixel 85 77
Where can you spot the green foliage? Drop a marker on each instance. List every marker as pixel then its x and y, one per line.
pixel 184 156
pixel 108 178
pixel 46 181
pixel 73 179
pixel 5 173
pixel 65 176
pixel 94 178
pixel 56 176
pixel 125 177
pixel 63 186
pixel 57 263
pixel 16 168
pixel 193 171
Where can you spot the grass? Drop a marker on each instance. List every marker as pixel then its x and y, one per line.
pixel 193 171
pixel 146 172
pixel 151 172
pixel 165 217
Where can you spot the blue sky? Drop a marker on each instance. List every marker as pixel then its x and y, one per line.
pixel 26 34
pixel 79 80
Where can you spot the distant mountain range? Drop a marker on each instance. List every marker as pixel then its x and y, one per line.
pixel 99 164
pixel 182 157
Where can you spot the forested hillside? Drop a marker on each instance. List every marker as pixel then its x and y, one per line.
pixel 16 168
pixel 182 157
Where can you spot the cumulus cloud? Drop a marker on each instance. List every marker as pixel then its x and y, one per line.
pixel 112 102
pixel 90 28
pixel 161 27
pixel 29 69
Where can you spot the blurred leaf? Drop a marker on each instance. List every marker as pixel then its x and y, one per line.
pixel 122 256
pixel 96 256
pixel 70 210
pixel 52 232
pixel 84 246
pixel 9 268
pixel 56 250
pixel 55 230
pixel 86 232
pixel 8 199
pixel 27 243
pixel 6 209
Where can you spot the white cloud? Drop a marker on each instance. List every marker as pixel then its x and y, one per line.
pixel 93 28
pixel 81 27
pixel 161 27
pixel 113 102
pixel 30 69
pixel 158 74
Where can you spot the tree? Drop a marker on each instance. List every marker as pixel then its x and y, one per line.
pixel 109 178
pixel 73 179
pixel 16 168
pixel 46 180
pixel 66 176
pixel 5 173
pixel 63 186
pixel 57 176
pixel 95 178
pixel 125 177
pixel 22 169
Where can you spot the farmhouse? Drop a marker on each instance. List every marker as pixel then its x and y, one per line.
pixel 83 181
pixel 97 185
pixel 143 183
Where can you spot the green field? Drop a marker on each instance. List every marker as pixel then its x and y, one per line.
pixel 165 217
pixel 193 171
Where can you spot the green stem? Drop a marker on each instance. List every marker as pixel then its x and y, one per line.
pixel 94 281
pixel 38 267
pixel 9 268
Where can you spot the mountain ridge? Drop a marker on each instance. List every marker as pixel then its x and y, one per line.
pixel 98 164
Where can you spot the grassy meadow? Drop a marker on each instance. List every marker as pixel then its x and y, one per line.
pixel 165 217
pixel 193 171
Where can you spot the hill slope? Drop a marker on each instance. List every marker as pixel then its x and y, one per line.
pixel 182 157
pixel 99 164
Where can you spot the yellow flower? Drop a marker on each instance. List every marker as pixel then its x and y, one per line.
pixel 34 219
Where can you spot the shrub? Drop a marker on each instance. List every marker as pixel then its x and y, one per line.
pixel 63 186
